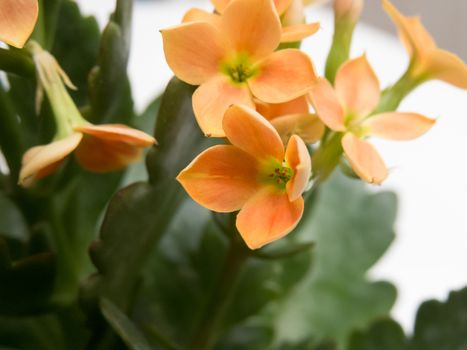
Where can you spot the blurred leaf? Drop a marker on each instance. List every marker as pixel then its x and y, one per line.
pixel 12 223
pixel 123 326
pixel 352 228
pixel 439 325
pixel 76 47
pixel 109 87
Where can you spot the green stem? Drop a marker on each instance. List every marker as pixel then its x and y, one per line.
pixel 11 139
pixel 340 49
pixel 392 97
pixel 16 62
pixel 211 324
pixel 327 156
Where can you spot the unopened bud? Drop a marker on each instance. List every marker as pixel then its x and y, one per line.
pixel 349 10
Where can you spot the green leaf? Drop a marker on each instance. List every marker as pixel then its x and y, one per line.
pixel 352 228
pixel 12 223
pixel 109 87
pixel 439 325
pixel 76 47
pixel 123 326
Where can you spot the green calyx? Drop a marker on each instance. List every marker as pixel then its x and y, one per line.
pixel 277 175
pixel 240 68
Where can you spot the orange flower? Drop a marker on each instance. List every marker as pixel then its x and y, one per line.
pixel 234 60
pixel 17 21
pixel 293 118
pixel 291 12
pixel 98 148
pixel 427 60
pixel 254 175
pixel 347 109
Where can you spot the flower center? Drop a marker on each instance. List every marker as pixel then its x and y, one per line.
pixel 277 175
pixel 239 68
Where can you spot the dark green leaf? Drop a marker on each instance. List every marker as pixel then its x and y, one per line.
pixel 123 326
pixel 382 335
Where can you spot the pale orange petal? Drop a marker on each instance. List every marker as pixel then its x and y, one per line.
pixel 249 131
pixel 298 159
pixel 298 32
pixel 268 216
pixel 308 126
pixel 253 27
pixel 274 110
pixel 327 105
pixel 282 5
pixel 284 76
pixel 119 133
pixel 194 51
pixel 213 98
pixel 102 155
pixel 17 20
pixel 220 5
pixel 222 178
pixel 41 161
pixel 446 66
pixel 364 159
pixel 199 15
pixel 358 87
pixel 413 33
pixel 398 126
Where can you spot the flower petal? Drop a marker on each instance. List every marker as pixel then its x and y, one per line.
pixel 274 110
pixel 194 51
pixel 41 161
pixel 199 15
pixel 327 105
pixel 298 158
pixel 308 126
pixel 298 32
pixel 446 66
pixel 213 98
pixel 414 35
pixel 268 216
pixel 17 21
pixel 398 126
pixel 358 87
pixel 253 27
pixel 220 5
pixel 284 76
pixel 222 178
pixel 282 5
pixel 249 131
pixel 118 133
pixel 364 159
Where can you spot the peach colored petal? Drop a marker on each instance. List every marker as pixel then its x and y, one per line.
pixel 411 30
pixel 282 5
pixel 327 105
pixel 41 161
pixel 268 216
pixel 364 159
pixel 118 132
pixel 298 32
pixel 274 110
pixel 17 21
pixel 222 178
pixel 284 76
pixel 194 51
pixel 308 126
pixel 249 131
pixel 253 27
pixel 398 126
pixel 298 159
pixel 100 154
pixel 199 15
pixel 358 87
pixel 213 98
pixel 446 66
pixel 220 5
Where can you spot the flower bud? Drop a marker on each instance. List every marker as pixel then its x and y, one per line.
pixel 349 10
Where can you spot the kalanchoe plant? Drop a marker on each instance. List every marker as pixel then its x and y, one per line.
pixel 241 232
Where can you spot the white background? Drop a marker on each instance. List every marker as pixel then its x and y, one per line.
pixel 428 258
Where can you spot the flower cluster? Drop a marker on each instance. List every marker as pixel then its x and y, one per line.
pixel 255 91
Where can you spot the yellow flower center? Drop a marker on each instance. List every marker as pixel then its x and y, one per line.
pixel 239 68
pixel 277 175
